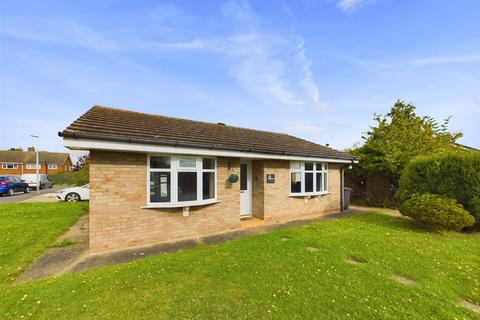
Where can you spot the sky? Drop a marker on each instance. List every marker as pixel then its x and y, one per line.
pixel 316 69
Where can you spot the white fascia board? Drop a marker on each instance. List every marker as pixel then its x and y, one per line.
pixel 87 144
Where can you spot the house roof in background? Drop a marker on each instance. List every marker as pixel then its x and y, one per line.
pixel 30 156
pixel 104 123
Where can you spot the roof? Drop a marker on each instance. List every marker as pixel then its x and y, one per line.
pixel 110 124
pixel 30 156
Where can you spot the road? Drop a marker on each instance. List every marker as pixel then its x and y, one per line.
pixel 19 197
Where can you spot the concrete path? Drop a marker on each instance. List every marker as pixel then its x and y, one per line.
pixel 22 197
pixel 75 258
pixel 57 261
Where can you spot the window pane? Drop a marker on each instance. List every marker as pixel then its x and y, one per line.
pixel 187 186
pixel 325 182
pixel 309 166
pixel 296 186
pixel 160 162
pixel 208 163
pixel 188 162
pixel 296 166
pixel 319 181
pixel 308 182
pixel 208 185
pixel 159 186
pixel 243 176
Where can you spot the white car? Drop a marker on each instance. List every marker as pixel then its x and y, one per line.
pixel 74 194
pixel 31 179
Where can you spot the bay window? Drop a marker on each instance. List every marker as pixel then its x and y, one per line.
pixel 308 178
pixel 181 180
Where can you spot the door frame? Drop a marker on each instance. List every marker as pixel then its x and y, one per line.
pixel 248 192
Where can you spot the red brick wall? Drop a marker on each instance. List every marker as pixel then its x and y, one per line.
pixel 118 190
pixel 22 169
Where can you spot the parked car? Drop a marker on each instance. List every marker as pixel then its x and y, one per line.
pixel 31 179
pixel 11 184
pixel 74 194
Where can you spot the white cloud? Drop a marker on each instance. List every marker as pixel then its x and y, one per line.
pixel 350 5
pixel 58 31
pixel 447 59
pixel 271 66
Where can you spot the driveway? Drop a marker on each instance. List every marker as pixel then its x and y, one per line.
pixel 19 197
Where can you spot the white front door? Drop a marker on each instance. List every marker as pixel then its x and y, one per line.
pixel 245 187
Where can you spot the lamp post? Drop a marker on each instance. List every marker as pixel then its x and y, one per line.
pixel 37 164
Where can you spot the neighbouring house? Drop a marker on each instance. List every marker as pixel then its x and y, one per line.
pixel 156 178
pixel 17 162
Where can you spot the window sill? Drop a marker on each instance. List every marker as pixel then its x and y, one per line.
pixel 310 194
pixel 180 204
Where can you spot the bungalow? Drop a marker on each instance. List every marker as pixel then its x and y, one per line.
pixel 18 162
pixel 155 178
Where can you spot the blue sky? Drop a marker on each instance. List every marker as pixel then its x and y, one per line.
pixel 315 69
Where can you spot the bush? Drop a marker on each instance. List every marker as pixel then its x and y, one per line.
pixel 78 178
pixel 455 175
pixel 437 212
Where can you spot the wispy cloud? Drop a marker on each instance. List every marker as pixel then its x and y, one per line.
pixel 350 5
pixel 59 31
pixel 447 59
pixel 269 65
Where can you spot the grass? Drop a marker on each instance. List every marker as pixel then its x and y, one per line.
pixel 27 229
pixel 268 278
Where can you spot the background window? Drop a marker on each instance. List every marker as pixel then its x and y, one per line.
pixel 208 185
pixel 308 181
pixel 296 186
pixel 308 166
pixel 319 182
pixel 52 166
pixel 159 186
pixel 208 163
pixel 187 186
pixel 243 176
pixel 188 162
pixel 160 162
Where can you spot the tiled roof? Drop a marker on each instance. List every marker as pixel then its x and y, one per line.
pixel 30 157
pixel 104 123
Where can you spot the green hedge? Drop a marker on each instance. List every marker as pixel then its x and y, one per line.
pixel 455 175
pixel 437 212
pixel 78 178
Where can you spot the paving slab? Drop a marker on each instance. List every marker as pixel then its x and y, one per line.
pixel 404 280
pixel 470 305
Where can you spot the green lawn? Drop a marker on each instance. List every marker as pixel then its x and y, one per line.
pixel 261 277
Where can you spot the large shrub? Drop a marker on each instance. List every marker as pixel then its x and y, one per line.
pixel 455 175
pixel 78 178
pixel 437 212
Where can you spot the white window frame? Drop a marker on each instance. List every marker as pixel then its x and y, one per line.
pixel 318 167
pixel 52 166
pixel 174 170
pixel 6 164
pixel 32 166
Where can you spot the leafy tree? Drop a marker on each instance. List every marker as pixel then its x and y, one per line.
pixel 401 135
pixel 395 139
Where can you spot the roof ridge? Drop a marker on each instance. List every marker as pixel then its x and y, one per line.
pixel 189 120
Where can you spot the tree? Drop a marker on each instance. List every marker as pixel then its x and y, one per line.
pixel 399 136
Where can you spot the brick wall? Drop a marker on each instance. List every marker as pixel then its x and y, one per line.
pixel 278 205
pixel 118 189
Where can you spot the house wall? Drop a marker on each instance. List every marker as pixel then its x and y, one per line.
pixel 118 190
pixel 278 206
pixel 22 169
